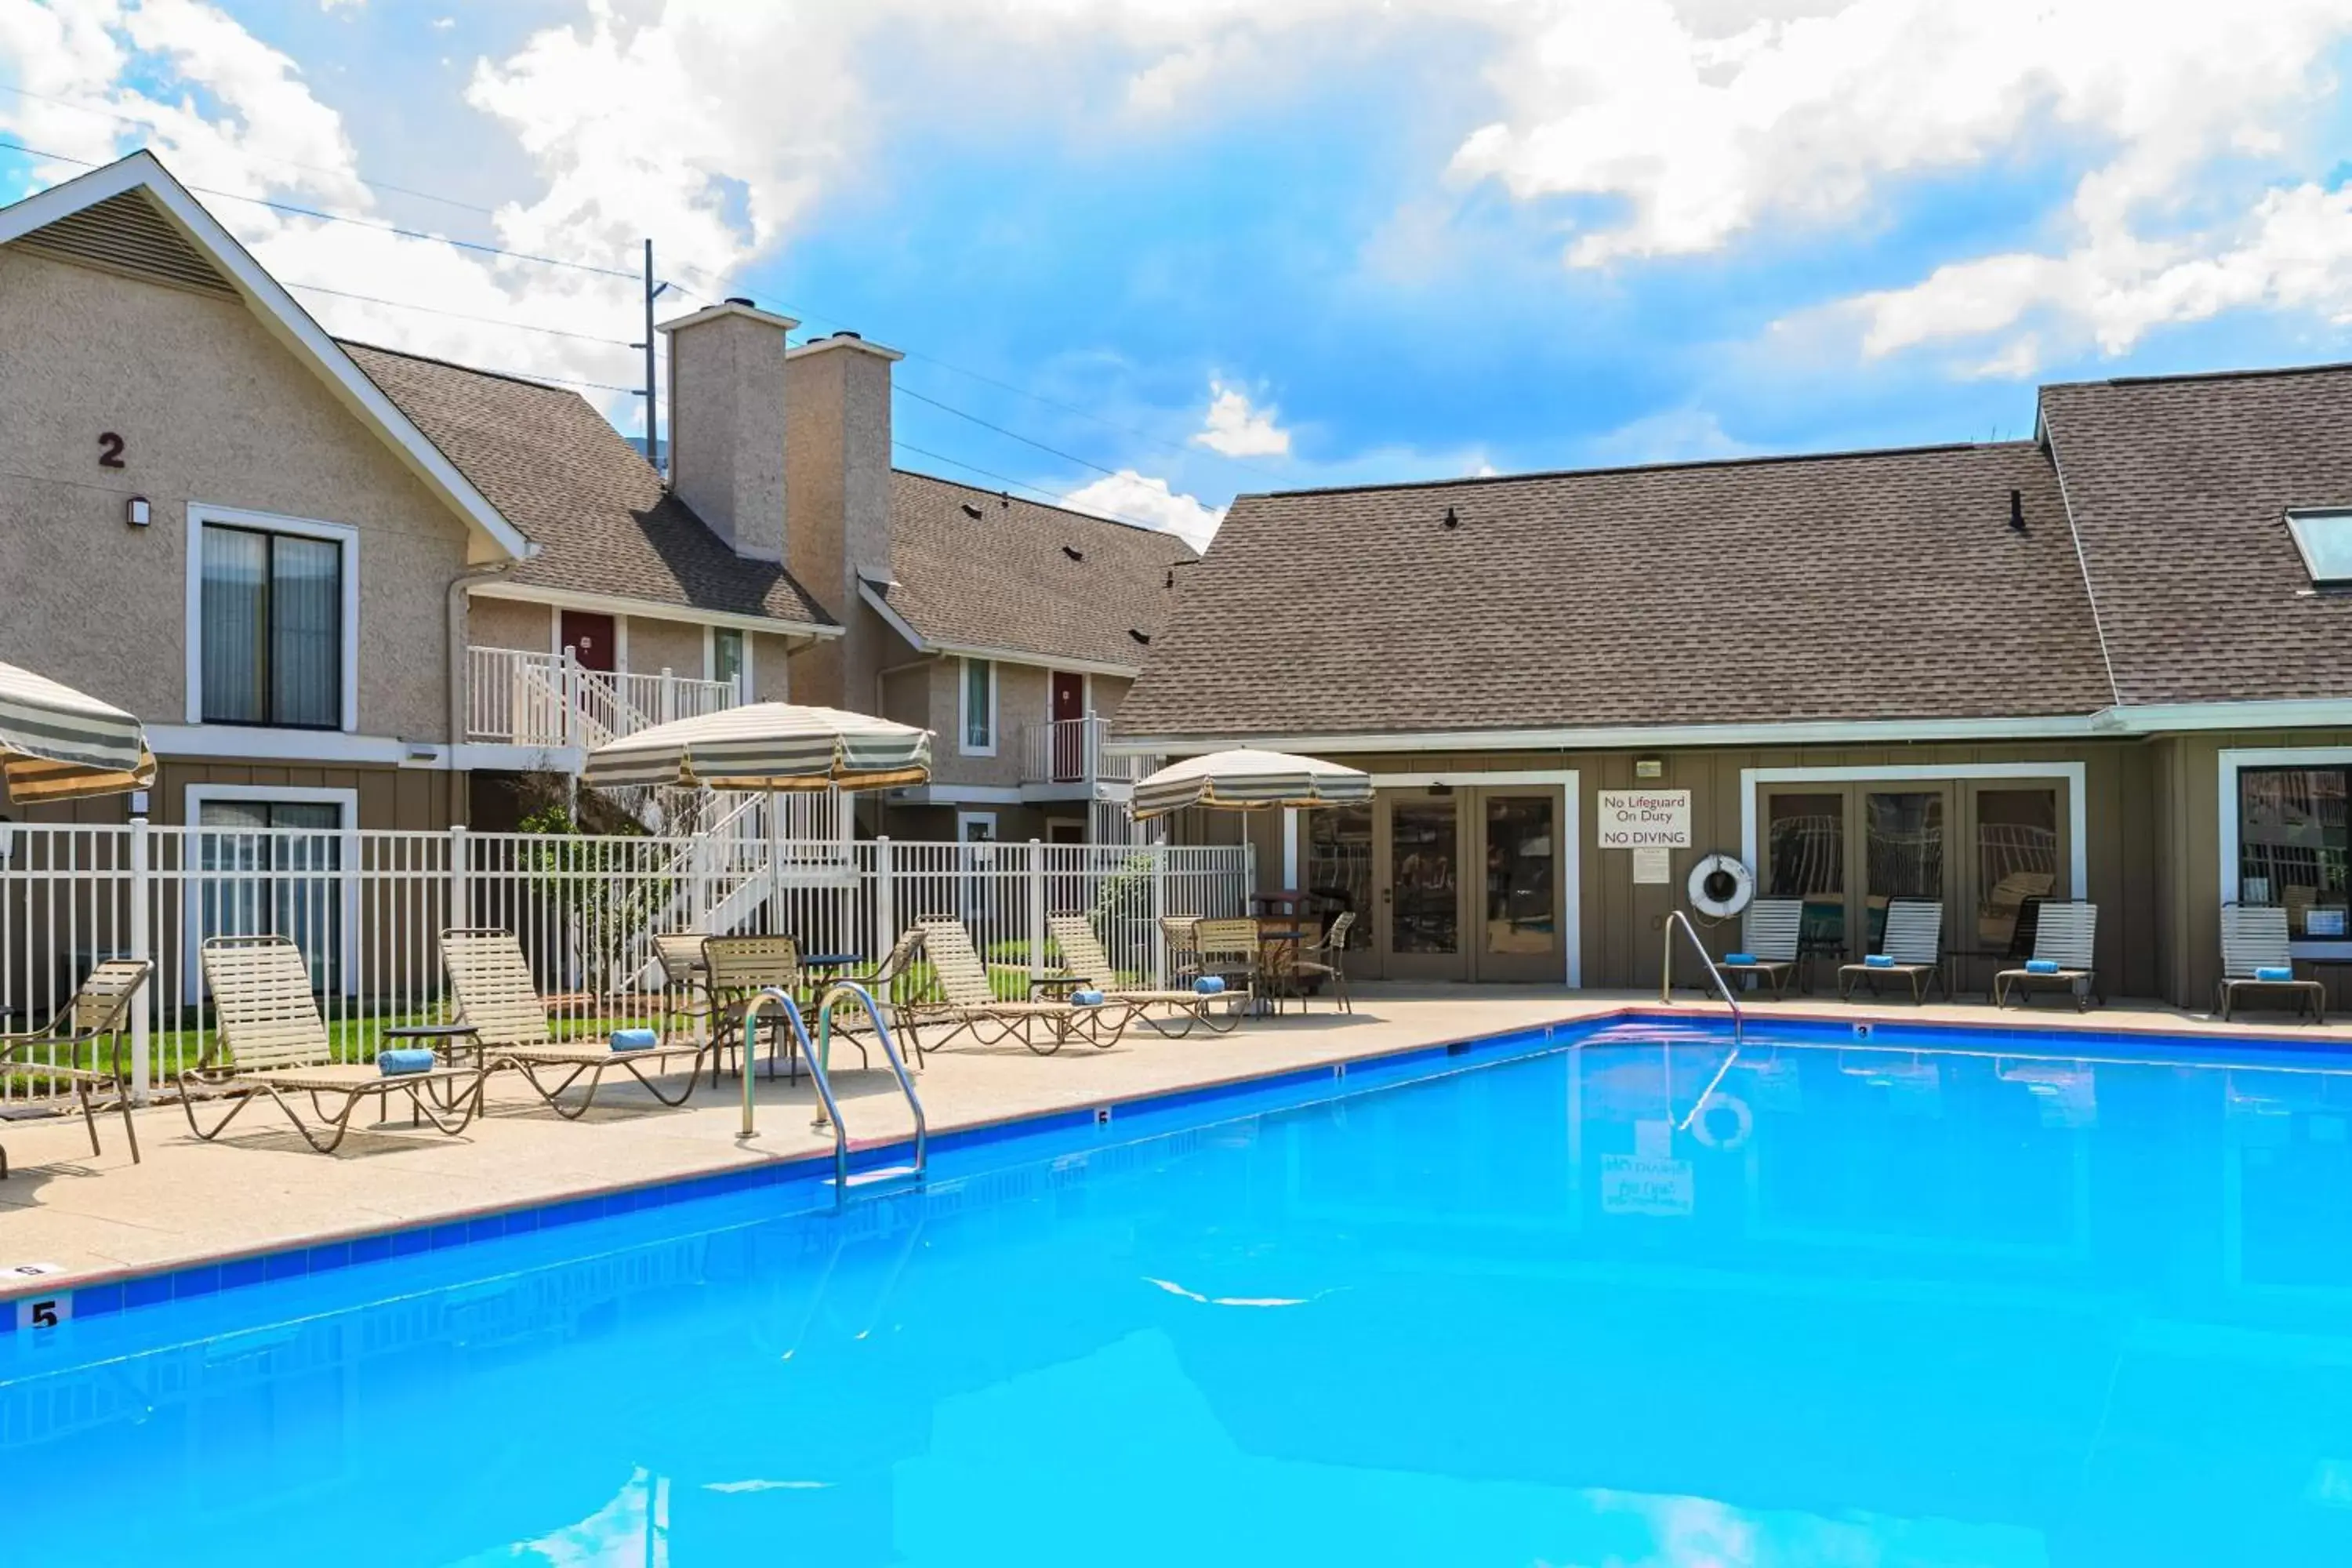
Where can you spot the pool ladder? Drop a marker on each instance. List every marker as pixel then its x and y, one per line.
pixel 775 999
pixel 1666 974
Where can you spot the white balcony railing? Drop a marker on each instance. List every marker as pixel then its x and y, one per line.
pixel 1070 751
pixel 519 698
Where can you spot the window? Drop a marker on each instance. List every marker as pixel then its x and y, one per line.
pixel 727 656
pixel 979 705
pixel 270 628
pixel 2293 845
pixel 2325 540
pixel 271 864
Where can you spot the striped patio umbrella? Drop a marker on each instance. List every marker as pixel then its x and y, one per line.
pixel 56 744
pixel 767 746
pixel 1248 781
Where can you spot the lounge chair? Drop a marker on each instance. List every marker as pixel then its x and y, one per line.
pixel 2063 947
pixel 968 1002
pixel 1331 965
pixel 1770 931
pixel 100 1010
pixel 491 989
pixel 268 1041
pixel 2255 957
pixel 1913 946
pixel 1084 963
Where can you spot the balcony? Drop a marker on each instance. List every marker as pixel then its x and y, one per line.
pixel 1064 760
pixel 549 701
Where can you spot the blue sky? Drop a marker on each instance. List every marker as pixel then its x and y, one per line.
pixel 1219 246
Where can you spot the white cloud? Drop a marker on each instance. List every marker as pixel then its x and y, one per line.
pixel 1238 430
pixel 1131 497
pixel 1674 436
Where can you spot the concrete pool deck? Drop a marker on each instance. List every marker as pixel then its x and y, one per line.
pixel 259 1189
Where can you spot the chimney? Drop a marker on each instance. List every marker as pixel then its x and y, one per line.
pixel 837 463
pixel 726 423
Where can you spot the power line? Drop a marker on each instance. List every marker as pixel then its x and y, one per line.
pixel 1012 434
pixel 273 157
pixel 460 315
pixel 355 222
pixel 1051 499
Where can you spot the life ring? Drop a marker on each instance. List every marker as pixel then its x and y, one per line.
pixel 1720 887
pixel 1743 1122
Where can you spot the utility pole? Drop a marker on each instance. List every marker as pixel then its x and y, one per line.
pixel 653 417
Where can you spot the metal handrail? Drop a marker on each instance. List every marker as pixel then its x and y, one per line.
pixel 1666 974
pixel 829 1110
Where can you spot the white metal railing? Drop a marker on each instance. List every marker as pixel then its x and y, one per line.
pixel 1070 751
pixel 367 908
pixel 523 699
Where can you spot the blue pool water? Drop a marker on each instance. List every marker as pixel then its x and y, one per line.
pixel 1872 1306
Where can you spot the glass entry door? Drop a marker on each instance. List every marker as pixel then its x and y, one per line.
pixel 1469 885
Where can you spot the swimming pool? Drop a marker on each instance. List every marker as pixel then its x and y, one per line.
pixel 1871 1302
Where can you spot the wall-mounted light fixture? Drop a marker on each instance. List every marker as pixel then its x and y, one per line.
pixel 137 512
pixel 1649 767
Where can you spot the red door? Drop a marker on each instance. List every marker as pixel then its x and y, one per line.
pixel 1069 734
pixel 592 640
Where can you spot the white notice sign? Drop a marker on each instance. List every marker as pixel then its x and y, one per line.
pixel 1653 866
pixel 1631 1185
pixel 1644 819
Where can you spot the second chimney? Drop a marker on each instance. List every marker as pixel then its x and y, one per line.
pixel 728 424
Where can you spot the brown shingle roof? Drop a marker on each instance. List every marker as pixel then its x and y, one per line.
pixel 2180 488
pixel 1876 586
pixel 562 475
pixel 1005 579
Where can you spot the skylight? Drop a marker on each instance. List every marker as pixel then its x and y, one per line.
pixel 2325 537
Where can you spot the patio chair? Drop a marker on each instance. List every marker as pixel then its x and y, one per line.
pixel 1914 941
pixel 1228 950
pixel 2062 955
pixel 100 1010
pixel 968 1002
pixel 1084 963
pixel 738 968
pixel 2255 957
pixel 1176 935
pixel 679 953
pixel 269 1042
pixel 1770 930
pixel 491 989
pixel 1331 965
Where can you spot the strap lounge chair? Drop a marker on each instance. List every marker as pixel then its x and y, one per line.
pixel 268 1042
pixel 100 1010
pixel 2062 946
pixel 967 1003
pixel 1914 941
pixel 2255 957
pixel 491 989
pixel 1084 963
pixel 1770 931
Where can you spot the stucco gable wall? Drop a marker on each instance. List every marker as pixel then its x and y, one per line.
pixel 211 408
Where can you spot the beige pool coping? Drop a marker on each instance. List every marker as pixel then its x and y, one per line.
pixel 260 1189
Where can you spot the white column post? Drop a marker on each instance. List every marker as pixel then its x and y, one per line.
pixel 775 920
pixel 885 913
pixel 461 870
pixel 1159 942
pixel 142 945
pixel 1036 910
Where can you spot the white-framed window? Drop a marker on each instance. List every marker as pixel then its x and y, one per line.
pixel 273 859
pixel 976 708
pixel 727 656
pixel 976 827
pixel 2324 535
pixel 273 621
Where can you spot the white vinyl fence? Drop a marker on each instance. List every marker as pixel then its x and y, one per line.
pixel 367 908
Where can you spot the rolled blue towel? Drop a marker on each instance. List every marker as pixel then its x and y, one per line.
pixel 1738 958
pixel 1878 961
pixel 635 1039
pixel 1210 985
pixel 1088 998
pixel 2279 972
pixel 399 1063
pixel 2041 966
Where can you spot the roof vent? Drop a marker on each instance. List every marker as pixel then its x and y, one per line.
pixel 1451 520
pixel 2017 511
pixel 972 511
pixel 1004 500
pixel 743 299
pixel 853 337
pixel 1074 553
pixel 1171 578
pixel 1143 637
